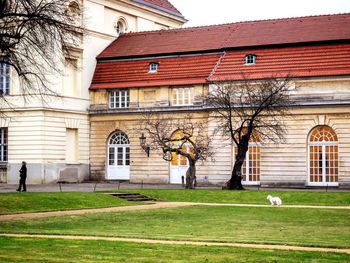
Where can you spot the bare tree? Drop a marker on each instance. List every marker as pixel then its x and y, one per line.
pixel 174 136
pixel 246 109
pixel 35 36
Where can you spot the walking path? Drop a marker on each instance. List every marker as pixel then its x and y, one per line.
pixel 194 243
pixel 147 206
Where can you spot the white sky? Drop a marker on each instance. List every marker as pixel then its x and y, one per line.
pixel 209 12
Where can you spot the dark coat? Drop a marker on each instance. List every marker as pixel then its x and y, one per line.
pixel 23 172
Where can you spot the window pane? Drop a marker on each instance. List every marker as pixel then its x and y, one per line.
pixel 127 156
pixel 174 160
pixel 3 144
pixel 174 96
pixel 4 79
pixel 117 99
pixel 111 156
pixel 120 156
pixel 111 100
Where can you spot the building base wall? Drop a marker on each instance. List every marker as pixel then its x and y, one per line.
pixel 49 173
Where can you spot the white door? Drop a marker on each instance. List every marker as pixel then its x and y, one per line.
pixel 178 168
pixel 118 157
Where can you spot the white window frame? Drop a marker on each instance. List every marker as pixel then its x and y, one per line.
pixel 3 144
pixel 250 59
pixel 5 79
pixel 180 96
pixel 246 162
pixel 119 141
pixel 119 99
pixel 120 26
pixel 153 67
pixel 323 144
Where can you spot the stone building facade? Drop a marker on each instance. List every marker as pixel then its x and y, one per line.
pixel 53 137
pixel 166 72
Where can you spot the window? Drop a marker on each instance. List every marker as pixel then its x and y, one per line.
pixel 153 67
pixel 3 144
pixel 71 145
pixel 4 79
pixel 323 156
pixel 251 165
pixel 250 59
pixel 177 159
pixel 119 150
pixel 181 96
pixel 120 26
pixel 119 99
pixel 71 83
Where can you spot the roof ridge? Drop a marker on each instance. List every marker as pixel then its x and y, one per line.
pixel 212 73
pixel 228 24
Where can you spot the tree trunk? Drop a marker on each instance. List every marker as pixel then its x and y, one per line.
pixel 191 175
pixel 235 182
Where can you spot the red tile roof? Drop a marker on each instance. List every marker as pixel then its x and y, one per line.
pixel 229 36
pixel 307 61
pixel 174 70
pixel 162 5
pixel 304 61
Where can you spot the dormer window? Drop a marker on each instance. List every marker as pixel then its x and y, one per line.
pixel 153 67
pixel 250 59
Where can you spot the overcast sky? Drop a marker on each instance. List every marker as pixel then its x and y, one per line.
pixel 209 12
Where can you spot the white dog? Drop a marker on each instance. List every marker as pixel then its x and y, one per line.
pixel 274 200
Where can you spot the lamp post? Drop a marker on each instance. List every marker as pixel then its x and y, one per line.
pixel 145 147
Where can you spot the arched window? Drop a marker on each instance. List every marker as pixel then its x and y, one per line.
pixel 120 26
pixel 119 138
pixel 251 165
pixel 74 12
pixel 118 149
pixel 323 156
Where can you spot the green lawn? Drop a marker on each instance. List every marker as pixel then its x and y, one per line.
pixel 248 196
pixel 293 226
pixel 38 202
pixel 57 250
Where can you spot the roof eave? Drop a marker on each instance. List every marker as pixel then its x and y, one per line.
pixel 179 15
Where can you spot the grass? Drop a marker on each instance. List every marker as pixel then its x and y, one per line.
pixel 39 202
pixel 247 197
pixel 293 226
pixel 57 250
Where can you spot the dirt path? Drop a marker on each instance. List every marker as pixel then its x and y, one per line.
pixel 156 205
pixel 194 243
pixel 95 210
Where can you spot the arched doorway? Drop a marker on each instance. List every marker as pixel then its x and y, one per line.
pixel 323 156
pixel 251 165
pixel 179 164
pixel 118 157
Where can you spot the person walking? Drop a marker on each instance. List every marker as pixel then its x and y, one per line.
pixel 23 177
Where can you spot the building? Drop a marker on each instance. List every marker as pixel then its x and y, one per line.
pixel 168 71
pixel 53 137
